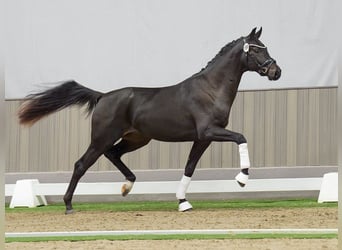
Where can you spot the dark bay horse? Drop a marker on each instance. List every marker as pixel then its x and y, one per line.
pixel 196 109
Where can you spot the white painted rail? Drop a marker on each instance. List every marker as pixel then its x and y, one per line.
pixel 31 193
pixel 170 187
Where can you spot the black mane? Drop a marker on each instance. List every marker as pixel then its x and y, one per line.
pixel 222 51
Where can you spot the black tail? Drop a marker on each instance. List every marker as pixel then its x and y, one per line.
pixel 44 103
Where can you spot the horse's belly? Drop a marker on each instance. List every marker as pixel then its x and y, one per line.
pixel 174 136
pixel 165 129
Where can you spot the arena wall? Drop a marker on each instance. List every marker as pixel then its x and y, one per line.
pixel 288 127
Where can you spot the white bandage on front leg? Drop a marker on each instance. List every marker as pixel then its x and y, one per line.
pixel 183 187
pixel 242 177
pixel 244 156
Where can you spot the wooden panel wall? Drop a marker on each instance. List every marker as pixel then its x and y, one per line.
pixel 283 128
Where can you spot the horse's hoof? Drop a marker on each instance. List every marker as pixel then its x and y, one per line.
pixel 242 179
pixel 184 206
pixel 241 184
pixel 69 211
pixel 126 188
pixel 187 210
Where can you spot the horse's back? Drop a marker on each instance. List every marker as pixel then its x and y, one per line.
pixel 162 114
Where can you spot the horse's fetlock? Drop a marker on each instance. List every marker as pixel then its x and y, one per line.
pixel 245 171
pixel 131 178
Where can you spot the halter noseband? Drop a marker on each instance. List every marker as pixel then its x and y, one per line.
pixel 265 66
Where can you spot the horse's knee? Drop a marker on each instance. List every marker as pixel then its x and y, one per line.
pixel 240 138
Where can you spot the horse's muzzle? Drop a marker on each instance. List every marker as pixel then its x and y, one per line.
pixel 274 72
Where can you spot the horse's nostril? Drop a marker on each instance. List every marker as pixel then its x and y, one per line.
pixel 277 74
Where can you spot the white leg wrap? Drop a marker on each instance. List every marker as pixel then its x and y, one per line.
pixel 242 179
pixel 184 206
pixel 244 157
pixel 183 187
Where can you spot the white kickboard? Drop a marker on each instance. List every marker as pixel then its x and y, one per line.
pixel 329 188
pixel 24 194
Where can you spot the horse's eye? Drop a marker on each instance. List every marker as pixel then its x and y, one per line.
pixel 256 50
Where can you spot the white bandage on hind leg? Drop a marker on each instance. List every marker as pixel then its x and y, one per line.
pixel 244 157
pixel 183 187
pixel 126 188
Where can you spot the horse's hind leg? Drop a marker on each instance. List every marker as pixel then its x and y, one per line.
pixel 127 144
pixel 103 137
pixel 81 166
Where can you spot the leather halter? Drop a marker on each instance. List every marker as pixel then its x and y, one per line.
pixel 263 67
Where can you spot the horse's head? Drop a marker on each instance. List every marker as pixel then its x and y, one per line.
pixel 256 56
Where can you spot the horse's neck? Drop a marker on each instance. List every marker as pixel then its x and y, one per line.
pixel 225 74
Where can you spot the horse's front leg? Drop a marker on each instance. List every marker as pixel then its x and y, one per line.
pixel 221 134
pixel 196 152
pixel 242 177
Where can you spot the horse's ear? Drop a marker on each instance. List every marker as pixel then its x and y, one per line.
pixel 252 34
pixel 258 34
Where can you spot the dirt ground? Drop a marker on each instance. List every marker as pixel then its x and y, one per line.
pixel 156 220
pixel 263 244
pixel 196 219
